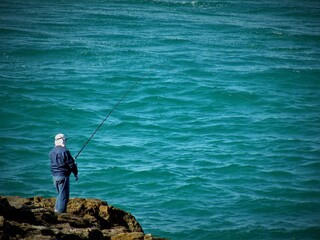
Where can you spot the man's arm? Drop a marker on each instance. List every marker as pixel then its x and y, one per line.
pixel 72 164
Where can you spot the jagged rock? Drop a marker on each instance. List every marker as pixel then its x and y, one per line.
pixel 34 218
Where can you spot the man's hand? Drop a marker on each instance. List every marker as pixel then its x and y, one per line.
pixel 77 178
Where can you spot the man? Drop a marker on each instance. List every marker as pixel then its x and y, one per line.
pixel 62 164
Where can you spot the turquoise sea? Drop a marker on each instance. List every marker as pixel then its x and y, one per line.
pixel 219 139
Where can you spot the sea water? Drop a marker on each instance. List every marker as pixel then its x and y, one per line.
pixel 219 138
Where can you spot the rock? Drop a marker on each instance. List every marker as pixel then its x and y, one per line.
pixel 34 218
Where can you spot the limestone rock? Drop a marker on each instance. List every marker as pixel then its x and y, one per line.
pixel 34 218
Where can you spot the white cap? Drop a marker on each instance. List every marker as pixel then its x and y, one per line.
pixel 60 140
pixel 59 136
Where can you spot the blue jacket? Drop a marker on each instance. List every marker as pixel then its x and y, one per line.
pixel 62 163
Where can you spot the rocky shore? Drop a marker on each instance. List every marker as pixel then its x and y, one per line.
pixel 34 219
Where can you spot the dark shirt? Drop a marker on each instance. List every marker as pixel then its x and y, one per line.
pixel 62 163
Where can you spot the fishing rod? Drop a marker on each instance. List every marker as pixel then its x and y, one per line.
pixel 115 106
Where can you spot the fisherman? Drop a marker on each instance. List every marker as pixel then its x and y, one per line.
pixel 62 165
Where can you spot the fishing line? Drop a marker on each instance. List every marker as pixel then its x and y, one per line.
pixel 115 106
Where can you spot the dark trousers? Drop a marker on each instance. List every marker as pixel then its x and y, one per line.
pixel 62 186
